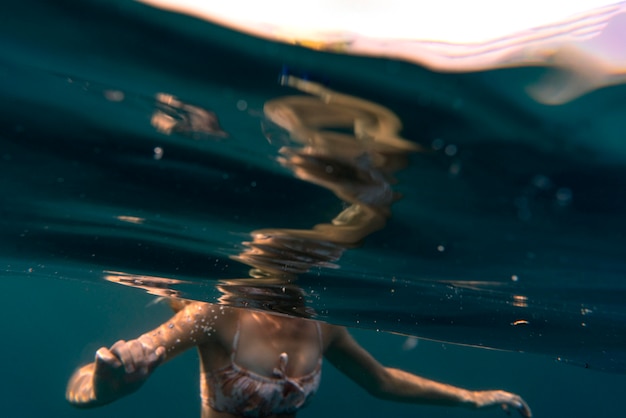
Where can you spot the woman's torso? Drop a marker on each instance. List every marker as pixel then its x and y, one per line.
pixel 260 365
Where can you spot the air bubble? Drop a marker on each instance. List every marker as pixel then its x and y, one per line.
pixel 454 169
pixel 114 95
pixel 437 144
pixel 410 343
pixel 450 150
pixel 242 105
pixel 541 182
pixel 564 196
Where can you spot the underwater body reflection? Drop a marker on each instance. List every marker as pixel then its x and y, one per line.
pixel 511 236
pixel 456 292
pixel 265 361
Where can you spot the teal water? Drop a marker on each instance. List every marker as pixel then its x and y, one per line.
pixel 510 233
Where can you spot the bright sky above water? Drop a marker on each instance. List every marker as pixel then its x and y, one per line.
pixel 582 37
pixel 455 21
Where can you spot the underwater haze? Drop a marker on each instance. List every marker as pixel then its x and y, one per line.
pixel 145 154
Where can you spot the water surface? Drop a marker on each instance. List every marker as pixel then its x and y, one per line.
pixel 135 148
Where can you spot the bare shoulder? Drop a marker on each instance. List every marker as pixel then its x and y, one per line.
pixel 209 312
pixel 212 319
pixel 219 322
pixel 219 316
pixel 331 334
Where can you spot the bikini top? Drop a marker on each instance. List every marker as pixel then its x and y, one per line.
pixel 236 390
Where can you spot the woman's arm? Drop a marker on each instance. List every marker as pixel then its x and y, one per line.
pixel 123 368
pixel 397 385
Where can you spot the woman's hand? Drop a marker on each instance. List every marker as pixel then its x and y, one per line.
pixel 123 368
pixel 505 399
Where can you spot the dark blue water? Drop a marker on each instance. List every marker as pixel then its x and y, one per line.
pixel 510 233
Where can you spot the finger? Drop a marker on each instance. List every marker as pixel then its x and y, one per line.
pixel 105 359
pixel 159 356
pixel 117 346
pixel 140 358
pixel 122 350
pixel 524 409
pixel 151 359
pixel 518 404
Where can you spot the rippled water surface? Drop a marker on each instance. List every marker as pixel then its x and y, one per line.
pixel 135 150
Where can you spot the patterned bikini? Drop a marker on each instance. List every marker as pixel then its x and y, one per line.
pixel 236 390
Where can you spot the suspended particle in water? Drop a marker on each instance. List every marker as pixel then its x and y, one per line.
pixel 437 144
pixel 541 182
pixel 441 248
pixel 520 301
pixel 132 219
pixel 158 153
pixel 564 196
pixel 242 105
pixel 450 150
pixel 455 168
pixel 409 344
pixel 515 278
pixel 114 95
